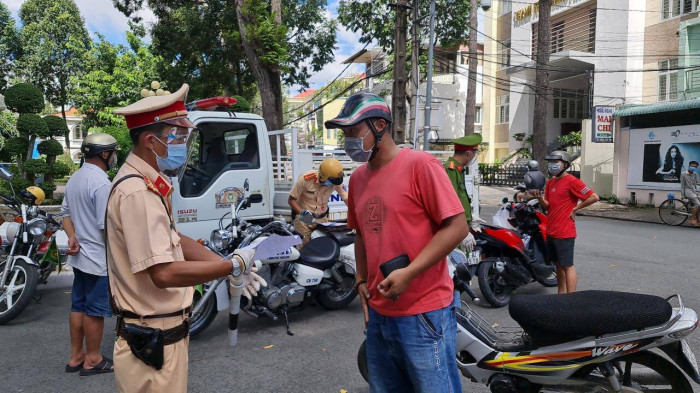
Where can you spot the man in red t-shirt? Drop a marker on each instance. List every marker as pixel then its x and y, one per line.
pixel 402 203
pixel 562 194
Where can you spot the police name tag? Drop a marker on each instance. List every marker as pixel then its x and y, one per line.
pixel 474 258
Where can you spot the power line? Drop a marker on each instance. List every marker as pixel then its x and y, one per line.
pixel 384 71
pixel 318 93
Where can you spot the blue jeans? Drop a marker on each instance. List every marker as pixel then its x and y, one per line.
pixel 415 353
pixel 90 295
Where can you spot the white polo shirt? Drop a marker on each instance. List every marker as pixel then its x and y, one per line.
pixel 85 202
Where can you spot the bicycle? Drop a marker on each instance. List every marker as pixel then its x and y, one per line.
pixel 675 211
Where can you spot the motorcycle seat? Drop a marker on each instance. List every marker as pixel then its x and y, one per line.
pixel 555 319
pixel 320 253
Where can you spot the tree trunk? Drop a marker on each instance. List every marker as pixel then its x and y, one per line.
pixel 64 99
pixel 276 6
pixel 48 176
pixel 398 101
pixel 539 124
pixel 268 79
pixel 470 115
pixel 30 149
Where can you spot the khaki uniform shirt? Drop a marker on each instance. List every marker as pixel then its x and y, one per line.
pixel 311 195
pixel 141 234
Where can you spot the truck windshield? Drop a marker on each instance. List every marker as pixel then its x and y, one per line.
pixel 220 147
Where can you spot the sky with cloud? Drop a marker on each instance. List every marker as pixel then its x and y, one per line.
pixel 102 17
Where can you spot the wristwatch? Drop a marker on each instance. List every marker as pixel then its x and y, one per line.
pixel 238 266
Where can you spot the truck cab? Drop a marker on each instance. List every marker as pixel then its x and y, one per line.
pixel 227 149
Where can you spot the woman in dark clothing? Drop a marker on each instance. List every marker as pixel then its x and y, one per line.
pixel 673 165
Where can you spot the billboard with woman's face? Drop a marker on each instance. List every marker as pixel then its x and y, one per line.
pixel 657 156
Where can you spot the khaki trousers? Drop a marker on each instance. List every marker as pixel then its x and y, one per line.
pixel 306 229
pixel 134 376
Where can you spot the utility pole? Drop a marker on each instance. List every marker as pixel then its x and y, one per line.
pixel 429 82
pixel 539 123
pixel 415 69
pixel 470 115
pixel 398 101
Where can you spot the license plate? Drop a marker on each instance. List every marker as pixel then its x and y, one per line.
pixel 689 355
pixel 474 258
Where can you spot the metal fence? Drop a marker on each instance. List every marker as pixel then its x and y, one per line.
pixel 501 175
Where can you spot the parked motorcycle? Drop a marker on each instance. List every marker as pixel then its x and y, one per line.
pixel 28 254
pixel 589 341
pixel 293 278
pixel 508 259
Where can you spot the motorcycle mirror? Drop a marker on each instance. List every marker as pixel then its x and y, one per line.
pixel 255 198
pixel 306 217
pixel 5 174
pixel 504 201
pixel 246 185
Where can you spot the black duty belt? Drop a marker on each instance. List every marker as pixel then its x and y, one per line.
pixel 322 215
pixel 131 315
pixel 170 336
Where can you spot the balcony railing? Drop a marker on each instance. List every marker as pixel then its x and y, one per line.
pixel 444 79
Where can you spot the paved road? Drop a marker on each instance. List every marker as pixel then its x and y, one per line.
pixel 321 356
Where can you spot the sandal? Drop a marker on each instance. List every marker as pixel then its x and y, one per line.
pixel 74 369
pixel 103 367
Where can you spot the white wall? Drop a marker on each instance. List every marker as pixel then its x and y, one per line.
pixel 596 161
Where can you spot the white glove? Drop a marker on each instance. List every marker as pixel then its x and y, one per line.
pixel 251 283
pixel 475 225
pixel 247 257
pixel 469 242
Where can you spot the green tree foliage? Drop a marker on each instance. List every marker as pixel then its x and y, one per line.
pixel 7 131
pixel 24 98
pixel 54 42
pixel 67 160
pixel 224 57
pixel 60 169
pixel 121 134
pixel 50 147
pixel 242 105
pixel 18 182
pixel 35 167
pixel 375 20
pixel 115 76
pixel 29 124
pixel 9 46
pixel 56 126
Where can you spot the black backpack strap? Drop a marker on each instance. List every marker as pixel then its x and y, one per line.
pixel 112 303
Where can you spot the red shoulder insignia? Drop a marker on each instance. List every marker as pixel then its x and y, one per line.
pixel 149 184
pixel 460 168
pixel 162 186
pixel 451 165
pixel 310 176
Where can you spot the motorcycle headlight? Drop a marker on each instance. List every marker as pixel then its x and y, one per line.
pixel 220 239
pixel 8 232
pixel 36 226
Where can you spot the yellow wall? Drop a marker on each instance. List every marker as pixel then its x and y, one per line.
pixel 330 111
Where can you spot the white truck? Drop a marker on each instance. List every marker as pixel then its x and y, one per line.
pixel 232 147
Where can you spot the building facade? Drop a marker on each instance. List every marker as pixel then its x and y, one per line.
pixel 597 49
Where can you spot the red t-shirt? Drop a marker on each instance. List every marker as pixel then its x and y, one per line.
pixel 563 196
pixel 398 209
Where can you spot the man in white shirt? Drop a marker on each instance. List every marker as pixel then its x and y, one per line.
pixel 689 185
pixel 83 212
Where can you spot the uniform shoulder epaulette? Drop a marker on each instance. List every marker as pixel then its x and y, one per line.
pixel 160 187
pixel 451 165
pixel 310 176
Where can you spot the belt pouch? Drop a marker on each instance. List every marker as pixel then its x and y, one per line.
pixel 146 344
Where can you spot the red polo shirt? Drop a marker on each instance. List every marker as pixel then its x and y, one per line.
pixel 563 195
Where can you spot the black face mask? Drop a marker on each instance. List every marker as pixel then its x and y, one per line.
pixel 336 180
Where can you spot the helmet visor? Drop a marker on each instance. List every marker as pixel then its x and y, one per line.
pixel 192 151
pixel 180 122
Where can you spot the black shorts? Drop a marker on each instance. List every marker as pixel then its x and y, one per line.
pixel 561 251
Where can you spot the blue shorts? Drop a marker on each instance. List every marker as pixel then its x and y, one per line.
pixel 90 295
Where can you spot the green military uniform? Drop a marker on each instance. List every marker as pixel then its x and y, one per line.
pixel 455 170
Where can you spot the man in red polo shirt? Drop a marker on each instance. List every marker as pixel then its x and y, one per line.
pixel 562 194
pixel 402 204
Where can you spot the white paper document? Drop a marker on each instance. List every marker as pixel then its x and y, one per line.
pixel 272 246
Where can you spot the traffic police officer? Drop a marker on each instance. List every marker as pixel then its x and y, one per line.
pixel 466 151
pixel 312 191
pixel 152 267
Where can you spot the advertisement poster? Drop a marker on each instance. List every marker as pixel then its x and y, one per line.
pixel 603 124
pixel 657 156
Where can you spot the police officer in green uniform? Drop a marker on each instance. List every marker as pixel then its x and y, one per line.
pixel 466 151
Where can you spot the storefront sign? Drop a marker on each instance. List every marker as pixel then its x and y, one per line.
pixel 603 124
pixel 658 156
